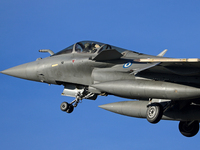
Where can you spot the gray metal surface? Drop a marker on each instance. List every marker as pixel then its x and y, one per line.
pixel 143 89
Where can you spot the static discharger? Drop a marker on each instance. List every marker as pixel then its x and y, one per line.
pixel 167 60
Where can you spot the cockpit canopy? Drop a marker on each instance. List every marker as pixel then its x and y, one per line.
pixel 88 47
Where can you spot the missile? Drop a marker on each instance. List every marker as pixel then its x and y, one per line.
pixel 145 89
pixel 138 109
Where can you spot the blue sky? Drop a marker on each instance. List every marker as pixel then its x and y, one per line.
pixel 30 115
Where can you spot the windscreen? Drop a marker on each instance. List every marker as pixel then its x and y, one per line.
pixel 86 47
pixel 65 51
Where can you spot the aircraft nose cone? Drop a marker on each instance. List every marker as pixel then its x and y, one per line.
pixel 18 71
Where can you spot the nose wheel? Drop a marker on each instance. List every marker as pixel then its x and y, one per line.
pixel 70 107
pixel 67 107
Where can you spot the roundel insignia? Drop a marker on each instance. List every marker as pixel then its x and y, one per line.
pixel 128 64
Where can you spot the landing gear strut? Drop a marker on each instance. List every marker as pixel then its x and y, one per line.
pixel 189 129
pixel 79 96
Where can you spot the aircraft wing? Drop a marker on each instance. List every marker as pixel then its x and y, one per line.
pixel 185 67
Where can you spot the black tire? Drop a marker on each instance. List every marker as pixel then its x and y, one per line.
pixel 64 106
pixel 189 130
pixel 154 113
pixel 70 109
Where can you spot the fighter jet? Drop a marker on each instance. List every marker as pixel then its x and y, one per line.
pixel 158 87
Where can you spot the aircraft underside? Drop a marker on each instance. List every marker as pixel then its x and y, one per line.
pixel 154 109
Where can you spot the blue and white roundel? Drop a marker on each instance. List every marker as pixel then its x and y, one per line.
pixel 128 64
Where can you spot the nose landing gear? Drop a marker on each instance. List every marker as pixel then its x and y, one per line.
pixel 69 107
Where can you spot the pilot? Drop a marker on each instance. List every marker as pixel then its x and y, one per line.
pixel 94 48
pixel 87 47
pixel 97 46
